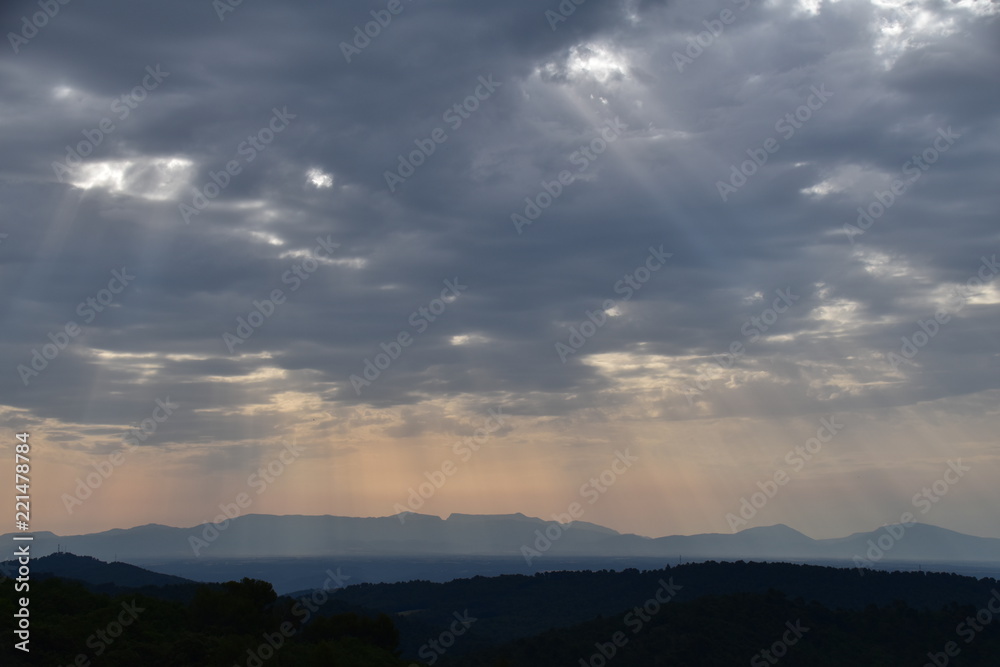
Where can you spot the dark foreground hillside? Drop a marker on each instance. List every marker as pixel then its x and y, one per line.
pixel 514 607
pixel 237 623
pixel 697 614
pixel 759 630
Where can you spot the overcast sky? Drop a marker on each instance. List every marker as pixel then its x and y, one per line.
pixel 590 207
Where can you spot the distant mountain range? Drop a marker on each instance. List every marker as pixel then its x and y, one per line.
pixel 268 536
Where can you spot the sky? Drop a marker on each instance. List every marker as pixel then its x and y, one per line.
pixel 695 267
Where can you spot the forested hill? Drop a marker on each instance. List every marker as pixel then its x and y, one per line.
pixel 700 614
pixel 234 623
pixel 759 630
pixel 102 577
pixel 516 606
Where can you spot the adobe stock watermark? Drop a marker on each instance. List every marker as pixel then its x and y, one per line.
pixel 432 650
pixel 592 490
pixel 786 126
pixel 454 115
pixel 635 620
pixel 304 608
pixel 566 8
pixel 968 630
pixel 914 168
pixel 381 18
pixel 582 158
pixel 706 38
pixel 464 449
pixel 779 649
pixel 123 106
pixel 420 320
pixel 753 328
pixel 264 310
pixel 261 481
pixel 927 329
pixel 796 459
pixel 923 501
pixel 223 7
pixel 87 310
pixel 307 605
pixel 37 21
pixel 86 486
pixel 246 152
pixel 629 284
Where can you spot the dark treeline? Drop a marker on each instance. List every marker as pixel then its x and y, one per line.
pixel 758 630
pixel 236 623
pixel 517 606
pixel 696 614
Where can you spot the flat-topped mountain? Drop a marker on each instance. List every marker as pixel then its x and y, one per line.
pixel 411 534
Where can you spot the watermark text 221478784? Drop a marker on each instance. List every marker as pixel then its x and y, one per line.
pixel 22 519
pixel 22 466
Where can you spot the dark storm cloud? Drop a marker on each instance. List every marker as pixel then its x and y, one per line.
pixel 655 185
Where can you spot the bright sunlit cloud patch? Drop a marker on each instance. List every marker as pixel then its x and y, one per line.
pixel 157 179
pixel 319 179
pixel 851 179
pixel 883 265
pixel 597 62
pixel 837 316
pixel 267 238
pixel 63 92
pixel 587 63
pixel 901 25
pixel 141 367
pixel 468 339
pixel 349 262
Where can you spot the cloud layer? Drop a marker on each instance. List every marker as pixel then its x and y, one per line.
pixel 489 182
